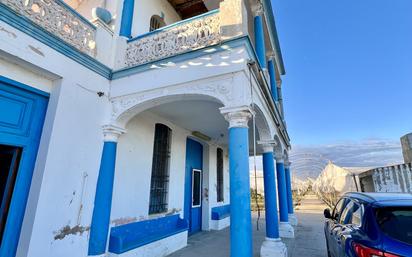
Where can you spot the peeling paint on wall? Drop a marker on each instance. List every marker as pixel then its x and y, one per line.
pixel 36 50
pixel 397 179
pixel 9 33
pixel 67 230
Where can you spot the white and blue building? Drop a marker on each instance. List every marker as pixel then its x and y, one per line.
pixel 126 126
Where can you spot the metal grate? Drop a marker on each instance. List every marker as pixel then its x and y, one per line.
pixel 219 169
pixel 159 184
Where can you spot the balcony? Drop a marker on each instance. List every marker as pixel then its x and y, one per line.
pixel 208 29
pixel 58 19
pixel 187 35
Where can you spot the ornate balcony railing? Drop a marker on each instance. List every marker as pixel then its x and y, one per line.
pixel 188 35
pixel 60 20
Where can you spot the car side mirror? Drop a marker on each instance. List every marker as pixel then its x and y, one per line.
pixel 327 214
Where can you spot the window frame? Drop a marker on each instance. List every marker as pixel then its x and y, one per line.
pixel 334 212
pixel 200 187
pixel 159 203
pixel 350 211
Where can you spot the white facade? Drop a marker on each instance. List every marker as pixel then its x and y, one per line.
pixel 96 85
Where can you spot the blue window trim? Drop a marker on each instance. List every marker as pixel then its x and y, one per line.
pixel 30 144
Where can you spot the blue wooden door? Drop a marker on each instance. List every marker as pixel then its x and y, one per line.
pixel 193 185
pixel 22 113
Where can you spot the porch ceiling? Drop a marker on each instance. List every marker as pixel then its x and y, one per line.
pixel 202 116
pixel 190 8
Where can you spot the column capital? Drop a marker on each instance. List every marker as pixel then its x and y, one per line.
pixel 267 145
pixel 111 132
pixel 237 116
pixel 257 9
pixel 279 158
pixel 271 56
pixel 287 164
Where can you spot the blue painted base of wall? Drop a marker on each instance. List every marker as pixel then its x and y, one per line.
pixel 131 236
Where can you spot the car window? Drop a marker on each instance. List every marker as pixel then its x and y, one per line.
pixel 338 208
pixel 352 214
pixel 346 216
pixel 357 214
pixel 396 222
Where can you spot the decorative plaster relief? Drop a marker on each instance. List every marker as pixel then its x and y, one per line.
pixel 125 107
pixel 54 17
pixel 188 36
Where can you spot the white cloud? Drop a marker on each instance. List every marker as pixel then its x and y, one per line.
pixel 309 161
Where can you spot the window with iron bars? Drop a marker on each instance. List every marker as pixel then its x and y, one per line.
pixel 219 168
pixel 159 184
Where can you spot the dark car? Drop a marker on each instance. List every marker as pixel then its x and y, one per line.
pixel 370 225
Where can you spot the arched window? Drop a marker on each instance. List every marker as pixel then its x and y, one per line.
pixel 156 22
pixel 159 184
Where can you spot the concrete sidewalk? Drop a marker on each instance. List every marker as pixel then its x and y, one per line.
pixel 309 241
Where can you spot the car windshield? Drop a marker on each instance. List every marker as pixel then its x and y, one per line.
pixel 396 222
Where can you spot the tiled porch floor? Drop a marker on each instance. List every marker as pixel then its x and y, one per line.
pixel 309 239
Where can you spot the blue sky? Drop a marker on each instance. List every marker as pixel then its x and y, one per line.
pixel 348 69
pixel 348 84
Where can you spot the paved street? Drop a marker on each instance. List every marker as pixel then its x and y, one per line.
pixel 309 241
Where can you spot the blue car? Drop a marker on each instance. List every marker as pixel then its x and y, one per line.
pixel 370 225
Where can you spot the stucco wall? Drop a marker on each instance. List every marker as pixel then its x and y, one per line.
pixel 406 142
pixel 394 179
pixel 134 166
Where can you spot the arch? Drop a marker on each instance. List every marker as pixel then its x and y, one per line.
pixel 125 108
pixel 262 124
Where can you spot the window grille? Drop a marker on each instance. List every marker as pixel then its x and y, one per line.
pixel 219 169
pixel 159 184
pixel 156 22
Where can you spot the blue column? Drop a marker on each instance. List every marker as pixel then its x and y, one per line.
pixel 260 41
pixel 127 18
pixel 240 211
pixel 283 199
pixel 103 200
pixel 289 190
pixel 271 209
pixel 273 86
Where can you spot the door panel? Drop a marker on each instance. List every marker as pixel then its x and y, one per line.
pixel 22 114
pixel 193 185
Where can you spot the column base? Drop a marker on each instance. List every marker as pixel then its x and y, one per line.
pixel 286 230
pixel 293 220
pixel 273 247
